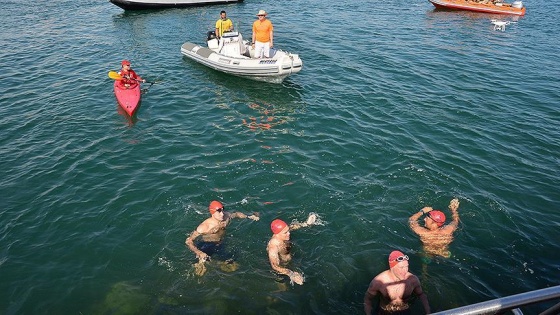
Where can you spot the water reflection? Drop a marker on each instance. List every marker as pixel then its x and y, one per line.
pixel 275 108
pixel 256 106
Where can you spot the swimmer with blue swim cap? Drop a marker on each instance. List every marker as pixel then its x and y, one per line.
pixel 435 235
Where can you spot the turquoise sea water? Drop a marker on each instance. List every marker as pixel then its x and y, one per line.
pixel 398 106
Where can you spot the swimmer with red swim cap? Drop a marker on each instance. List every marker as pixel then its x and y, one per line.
pixel 435 235
pixel 395 287
pixel 279 246
pixel 213 228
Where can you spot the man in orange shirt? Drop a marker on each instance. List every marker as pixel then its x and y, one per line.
pixel 262 35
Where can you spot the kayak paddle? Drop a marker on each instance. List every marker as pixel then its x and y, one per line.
pixel 115 76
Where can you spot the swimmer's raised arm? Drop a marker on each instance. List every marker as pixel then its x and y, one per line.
pixel 413 220
pixel 241 215
pixel 453 206
pixel 311 220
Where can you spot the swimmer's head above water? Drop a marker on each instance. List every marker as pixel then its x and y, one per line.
pixel 437 216
pixel 215 206
pixel 277 226
pixel 396 257
pixel 398 263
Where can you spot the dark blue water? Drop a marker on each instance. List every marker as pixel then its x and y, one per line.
pixel 398 107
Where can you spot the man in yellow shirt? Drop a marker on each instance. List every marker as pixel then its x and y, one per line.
pixel 223 25
pixel 262 35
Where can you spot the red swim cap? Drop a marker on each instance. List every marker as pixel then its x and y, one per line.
pixel 437 216
pixel 393 258
pixel 125 62
pixel 277 226
pixel 214 206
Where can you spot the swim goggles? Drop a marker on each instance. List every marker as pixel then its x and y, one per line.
pixel 401 258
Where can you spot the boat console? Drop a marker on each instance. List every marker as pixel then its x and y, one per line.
pixel 230 44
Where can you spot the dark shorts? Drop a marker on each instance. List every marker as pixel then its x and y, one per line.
pixel 215 250
pixel 385 312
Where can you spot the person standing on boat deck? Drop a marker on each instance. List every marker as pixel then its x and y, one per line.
pixel 395 288
pixel 223 25
pixel 279 246
pixel 130 78
pixel 263 36
pixel 434 235
pixel 213 229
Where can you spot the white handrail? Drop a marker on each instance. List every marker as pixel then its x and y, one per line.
pixel 506 303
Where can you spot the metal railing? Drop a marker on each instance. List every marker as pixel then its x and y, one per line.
pixel 510 303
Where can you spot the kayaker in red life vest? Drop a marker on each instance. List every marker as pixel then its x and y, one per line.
pixel 131 79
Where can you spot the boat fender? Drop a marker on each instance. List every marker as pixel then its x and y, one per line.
pixel 292 62
pixel 517 4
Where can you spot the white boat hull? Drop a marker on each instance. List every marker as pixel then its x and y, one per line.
pixel 274 69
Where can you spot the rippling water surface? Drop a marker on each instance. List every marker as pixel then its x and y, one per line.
pixel 397 107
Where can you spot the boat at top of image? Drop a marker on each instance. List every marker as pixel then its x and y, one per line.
pixel 162 4
pixel 233 55
pixel 485 6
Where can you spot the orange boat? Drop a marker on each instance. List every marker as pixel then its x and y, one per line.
pixel 486 6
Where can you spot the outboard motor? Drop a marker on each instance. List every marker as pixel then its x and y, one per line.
pixel 212 40
pixel 517 4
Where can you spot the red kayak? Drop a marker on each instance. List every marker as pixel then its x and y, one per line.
pixel 128 99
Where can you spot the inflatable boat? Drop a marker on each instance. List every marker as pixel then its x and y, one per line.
pixel 233 55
